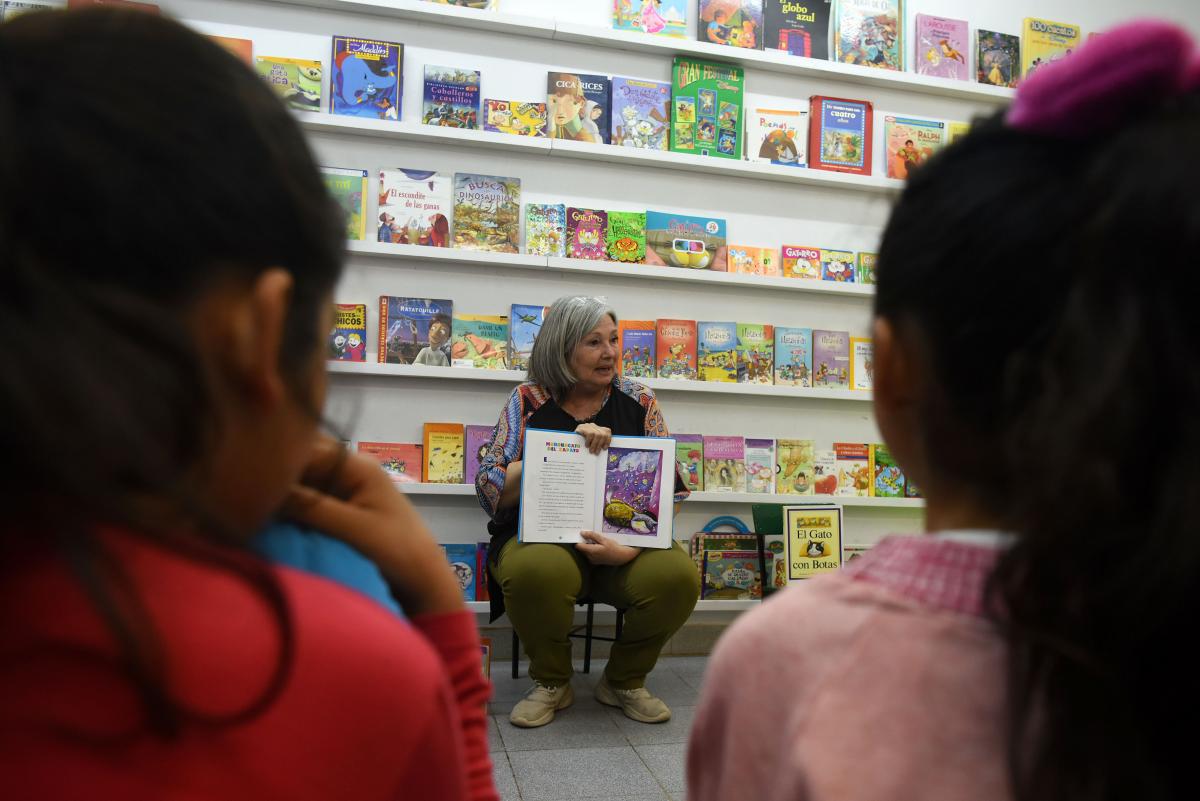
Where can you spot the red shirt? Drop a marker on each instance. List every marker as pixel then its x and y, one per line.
pixel 371 708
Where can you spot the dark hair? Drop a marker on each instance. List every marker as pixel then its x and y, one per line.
pixel 1038 278
pixel 174 170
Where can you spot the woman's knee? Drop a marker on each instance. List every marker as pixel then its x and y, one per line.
pixel 540 571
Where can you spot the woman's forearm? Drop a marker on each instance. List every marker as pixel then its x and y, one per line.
pixel 510 496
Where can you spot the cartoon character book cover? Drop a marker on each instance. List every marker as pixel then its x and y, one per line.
pixel 840 135
pixel 296 80
pixel 641 113
pixel 636 340
pixel 545 229
pixel 793 357
pixel 626 236
pixel 348 337
pixel 461 556
pixel 737 23
pixel 798 261
pixel 444 444
pixel 451 97
pixel 887 477
pixel 348 188
pixel 724 464
pixel 480 341
pixel 748 260
pixel 870 33
pixel 825 478
pixel 777 136
pixel 706 108
pixel 659 17
pixel 730 576
pixel 587 232
pixel 365 78
pixel 414 208
pixel 401 461
pixel 866 267
pixel 942 47
pixel 487 213
pixel 755 353
pixel 676 343
pixel 831 359
pixel 853 468
pixel 514 117
pixel 577 107
pixel 794 466
pixel 910 142
pixel 681 240
pixel 798 27
pixel 632 488
pixel 997 58
pixel 478 438
pixel 689 455
pixel 760 466
pixel 862 364
pixel 1044 42
pixel 716 350
pixel 837 265
pixel 524 325
pixel 415 331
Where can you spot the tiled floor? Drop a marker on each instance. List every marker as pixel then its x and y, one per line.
pixel 592 751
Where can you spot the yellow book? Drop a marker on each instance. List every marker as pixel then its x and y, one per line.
pixel 956 131
pixel 862 364
pixel 814 540
pixel 444 449
pixel 1044 42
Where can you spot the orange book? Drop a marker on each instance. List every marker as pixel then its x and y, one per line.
pixel 444 450
pixel 637 348
pixel 242 48
pixel 401 461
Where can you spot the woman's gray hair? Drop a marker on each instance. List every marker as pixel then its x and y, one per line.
pixel 567 322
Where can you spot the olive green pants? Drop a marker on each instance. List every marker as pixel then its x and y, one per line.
pixel 541 582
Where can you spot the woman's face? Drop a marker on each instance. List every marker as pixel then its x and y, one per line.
pixel 594 360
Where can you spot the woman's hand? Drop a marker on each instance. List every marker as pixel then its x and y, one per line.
pixel 595 437
pixel 600 550
pixel 347 496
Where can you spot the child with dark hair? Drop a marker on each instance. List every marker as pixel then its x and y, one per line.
pixel 1029 646
pixel 146 652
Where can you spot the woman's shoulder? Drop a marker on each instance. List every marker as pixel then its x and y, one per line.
pixel 634 389
pixel 530 393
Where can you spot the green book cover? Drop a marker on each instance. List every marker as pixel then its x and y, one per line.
pixel 706 108
pixel 866 267
pixel 755 354
pixel 627 236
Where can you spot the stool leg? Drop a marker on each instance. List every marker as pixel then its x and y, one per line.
pixel 516 653
pixel 587 641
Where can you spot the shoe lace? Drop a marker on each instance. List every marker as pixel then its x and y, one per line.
pixel 542 692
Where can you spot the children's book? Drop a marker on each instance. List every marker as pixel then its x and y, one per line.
pixel 840 134
pixel 852 552
pixel 461 557
pixel 887 480
pixel 485 644
pixel 752 261
pixel 478 438
pixel 365 78
pixel 637 348
pixel 348 188
pixel 296 80
pixel 676 343
pixel 814 540
pixel 545 229
pixel 483 594
pixel 443 447
pixel 587 232
pixel 1044 42
pixel 956 131
pixel 798 261
pixel 480 341
pixel 348 337
pixel 660 17
pixel 724 464
pixel 414 208
pixel 866 267
pixel 451 97
pixel 837 265
pixel 731 576
pixel 862 364
pixel 578 106
pixel 415 331
pixel 524 325
pixel 717 351
pixel 514 117
pixel 831 359
pixel 853 468
pixel 942 47
pixel 689 455
pixel 793 357
pixel 777 136
pixel 910 142
pixel 760 466
pixel 626 237
pixel 242 48
pixel 794 466
pixel 738 23
pixel 681 240
pixel 706 108
pixel 625 492
pixel 997 58
pixel 755 354
pixel 870 33
pixel 641 113
pixel 487 213
pixel 799 27
pixel 402 462
pixel 911 490
pixel 825 478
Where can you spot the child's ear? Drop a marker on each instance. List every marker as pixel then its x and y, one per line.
pixel 897 389
pixel 258 334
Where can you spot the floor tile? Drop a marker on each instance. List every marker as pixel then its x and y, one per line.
pixel 667 763
pixel 578 726
pixel 502 774
pixel 675 730
pixel 660 796
pixel 673 689
pixel 685 665
pixel 578 773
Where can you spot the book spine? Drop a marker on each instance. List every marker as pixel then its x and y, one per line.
pixel 383 310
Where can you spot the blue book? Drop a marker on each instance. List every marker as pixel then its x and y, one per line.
pixel 524 325
pixel 793 357
pixel 578 107
pixel 451 97
pixel 462 562
pixel 365 79
pixel 415 331
pixel 641 113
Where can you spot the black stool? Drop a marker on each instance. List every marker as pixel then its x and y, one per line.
pixel 587 636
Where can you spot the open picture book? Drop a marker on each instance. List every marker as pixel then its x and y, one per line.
pixel 625 492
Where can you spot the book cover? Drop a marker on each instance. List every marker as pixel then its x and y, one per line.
pixel 706 108
pixel 443 448
pixel 794 466
pixel 483 594
pixel 11 9
pixel 242 48
pixel 824 474
pixel 626 237
pixel 524 324
pixel 956 131
pixel 866 267
pixel 480 341
pixel 814 540
pixel 853 468
pixel 887 480
pixel 348 188
pixel 862 367
pixel 910 142
pixel 760 466
pixel 941 47
pixel 1044 42
pixel 870 33
pixel 799 27
pixel 637 348
pixel 777 136
pixel 689 455
pixel 487 213
pixel 415 331
pixel 681 240
pixel 641 113
pixel 831 359
pixel 840 134
pixel 731 576
pixel 755 353
pixel 737 23
pixel 348 337
pixel 461 557
pixel 414 208
pixel 911 490
pixel 587 232
pixel 837 265
pixel 676 343
pixel 997 58
pixel 451 97
pixel 365 78
pixel 478 438
pixel 724 464
pixel 793 357
pixel 752 261
pixel 545 229
pixel 514 117
pixel 401 461
pixel 296 80
pixel 716 351
pixel 485 643
pixel 852 552
pixel 659 17
pixel 578 106
pixel 798 261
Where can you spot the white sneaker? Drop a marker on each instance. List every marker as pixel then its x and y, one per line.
pixel 637 704
pixel 538 706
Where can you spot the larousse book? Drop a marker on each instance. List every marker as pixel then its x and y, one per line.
pixel 587 231
pixel 682 240
pixel 870 33
pixel 716 351
pixel 415 331
pixel 487 213
pixel 545 229
pixel 637 348
pixel 451 97
pixel 706 108
pixel 365 78
pixel 578 106
pixel 676 343
pixel 799 27
pixel 348 337
pixel 941 49
pixel 480 341
pixel 414 208
pixel 641 113
pixel 840 135
pixel 348 188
